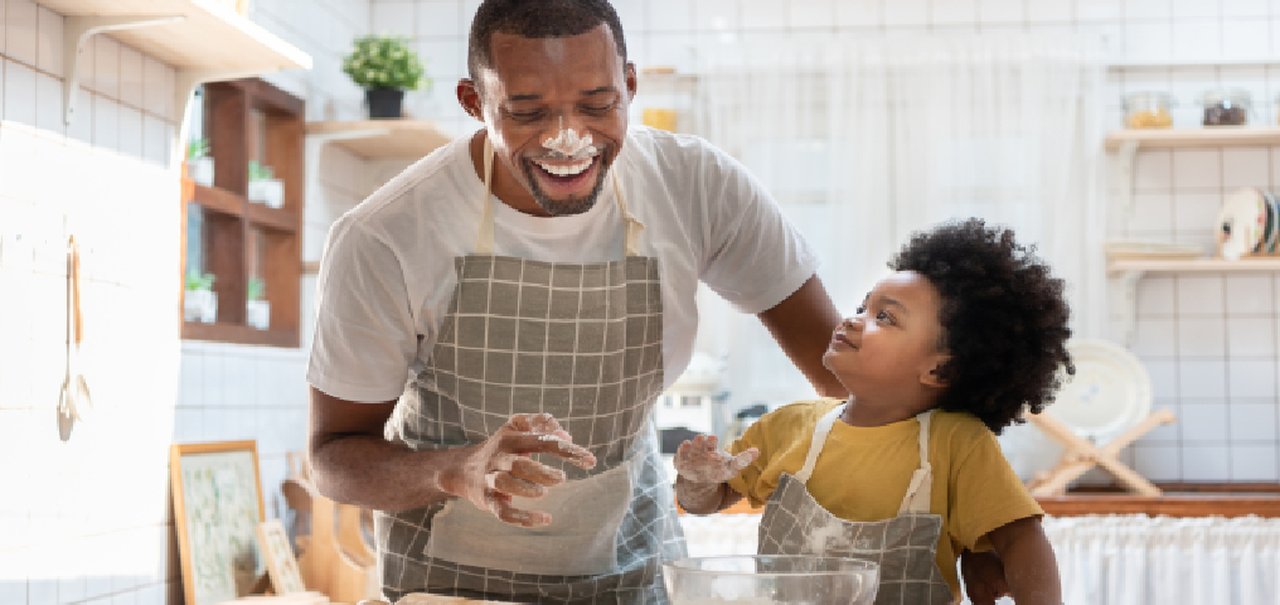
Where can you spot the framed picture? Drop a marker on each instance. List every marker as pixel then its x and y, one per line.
pixel 282 565
pixel 217 506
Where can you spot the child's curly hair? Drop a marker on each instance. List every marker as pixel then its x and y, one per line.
pixel 1003 318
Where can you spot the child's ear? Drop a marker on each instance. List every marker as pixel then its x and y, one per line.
pixel 933 376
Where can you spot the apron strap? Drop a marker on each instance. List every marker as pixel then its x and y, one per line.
pixel 634 226
pixel 920 489
pixel 484 238
pixel 819 437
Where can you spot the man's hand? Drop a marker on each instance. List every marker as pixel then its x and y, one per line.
pixel 984 580
pixel 492 472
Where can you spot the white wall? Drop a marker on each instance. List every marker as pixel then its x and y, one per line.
pixel 87 521
pixel 1194 332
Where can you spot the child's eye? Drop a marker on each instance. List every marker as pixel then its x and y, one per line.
pixel 860 310
pixel 884 316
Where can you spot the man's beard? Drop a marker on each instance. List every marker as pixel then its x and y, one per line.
pixel 567 207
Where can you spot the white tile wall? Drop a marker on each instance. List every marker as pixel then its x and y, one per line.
pixel 1194 332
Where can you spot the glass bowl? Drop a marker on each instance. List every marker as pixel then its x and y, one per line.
pixel 763 579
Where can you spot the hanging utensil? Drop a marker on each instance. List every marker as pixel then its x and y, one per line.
pixel 74 396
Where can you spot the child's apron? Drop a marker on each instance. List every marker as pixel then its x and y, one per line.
pixel 905 546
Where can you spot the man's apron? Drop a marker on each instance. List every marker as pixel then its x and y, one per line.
pixel 582 342
pixel 905 546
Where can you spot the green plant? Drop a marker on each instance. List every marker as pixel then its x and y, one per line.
pixel 255 289
pixel 197 148
pixel 199 281
pixel 259 171
pixel 384 62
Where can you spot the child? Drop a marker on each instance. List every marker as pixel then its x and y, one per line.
pixel 966 333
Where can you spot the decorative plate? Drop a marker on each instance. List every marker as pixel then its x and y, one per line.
pixel 1110 392
pixel 1241 222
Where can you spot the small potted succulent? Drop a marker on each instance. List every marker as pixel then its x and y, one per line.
pixel 199 301
pixel 385 67
pixel 199 163
pixel 257 310
pixel 264 188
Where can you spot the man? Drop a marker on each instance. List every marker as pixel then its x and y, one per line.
pixel 536 283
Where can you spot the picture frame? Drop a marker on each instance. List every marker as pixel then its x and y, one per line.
pixel 282 564
pixel 217 506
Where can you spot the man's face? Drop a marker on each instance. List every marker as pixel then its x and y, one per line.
pixel 536 87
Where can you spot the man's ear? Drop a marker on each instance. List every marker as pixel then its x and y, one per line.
pixel 469 98
pixel 932 377
pixel 629 74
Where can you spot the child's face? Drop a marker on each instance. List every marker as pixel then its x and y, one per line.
pixel 888 351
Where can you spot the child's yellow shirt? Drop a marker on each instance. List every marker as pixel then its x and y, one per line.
pixel 862 473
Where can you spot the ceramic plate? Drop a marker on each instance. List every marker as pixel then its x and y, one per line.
pixel 1271 238
pixel 1240 222
pixel 1110 392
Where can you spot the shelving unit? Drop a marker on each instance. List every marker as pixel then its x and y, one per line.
pixel 204 40
pixel 1123 146
pixel 370 140
pixel 251 120
pixel 1217 136
pixel 1204 265
pixel 380 139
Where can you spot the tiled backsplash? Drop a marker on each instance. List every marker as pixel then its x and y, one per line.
pixel 1209 341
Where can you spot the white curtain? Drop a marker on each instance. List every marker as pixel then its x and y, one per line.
pixel 1110 559
pixel 1117 560
pixel 864 141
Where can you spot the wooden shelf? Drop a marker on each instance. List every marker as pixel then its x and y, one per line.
pixel 220 200
pixel 1178 500
pixel 1214 136
pixel 238 333
pixel 210 36
pixel 1202 265
pixel 381 139
pixel 276 219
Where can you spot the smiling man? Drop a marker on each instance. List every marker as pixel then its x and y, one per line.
pixel 495 323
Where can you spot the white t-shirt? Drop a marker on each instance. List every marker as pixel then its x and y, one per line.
pixel 388 268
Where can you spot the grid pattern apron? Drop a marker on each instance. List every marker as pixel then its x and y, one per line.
pixel 582 342
pixel 905 546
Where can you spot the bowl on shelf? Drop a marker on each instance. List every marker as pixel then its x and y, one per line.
pixel 761 579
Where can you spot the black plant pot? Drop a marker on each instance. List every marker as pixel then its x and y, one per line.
pixel 384 102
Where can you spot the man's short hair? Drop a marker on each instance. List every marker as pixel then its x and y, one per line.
pixel 537 19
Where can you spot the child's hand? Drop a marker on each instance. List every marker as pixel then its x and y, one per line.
pixel 698 460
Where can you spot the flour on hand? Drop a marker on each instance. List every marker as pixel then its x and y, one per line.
pixel 699 460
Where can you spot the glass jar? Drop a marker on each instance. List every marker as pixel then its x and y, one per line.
pixel 1226 107
pixel 1148 109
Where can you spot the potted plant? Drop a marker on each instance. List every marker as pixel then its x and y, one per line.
pixel 199 163
pixel 264 188
pixel 199 302
pixel 385 67
pixel 257 310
